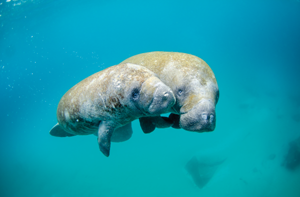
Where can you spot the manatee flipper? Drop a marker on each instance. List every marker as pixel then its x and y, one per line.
pixel 105 132
pixel 175 118
pixel 122 134
pixel 162 122
pixel 58 131
pixel 146 125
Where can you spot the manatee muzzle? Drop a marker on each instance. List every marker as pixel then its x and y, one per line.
pixel 156 97
pixel 163 100
pixel 201 118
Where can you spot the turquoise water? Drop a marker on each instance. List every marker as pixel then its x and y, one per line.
pixel 253 47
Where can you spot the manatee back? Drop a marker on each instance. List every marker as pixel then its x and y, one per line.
pixel 158 61
pixel 180 70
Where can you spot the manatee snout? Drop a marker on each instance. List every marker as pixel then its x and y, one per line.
pixel 156 97
pixel 163 100
pixel 200 118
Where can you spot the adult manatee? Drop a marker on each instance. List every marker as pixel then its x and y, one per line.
pixel 194 86
pixel 110 100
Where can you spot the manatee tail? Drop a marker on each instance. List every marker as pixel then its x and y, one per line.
pixel 58 131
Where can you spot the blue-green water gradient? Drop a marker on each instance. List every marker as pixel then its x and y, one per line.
pixel 253 47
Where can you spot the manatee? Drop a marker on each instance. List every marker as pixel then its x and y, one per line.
pixel 107 102
pixel 193 84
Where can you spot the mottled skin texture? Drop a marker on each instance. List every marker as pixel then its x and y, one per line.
pixel 111 99
pixel 193 83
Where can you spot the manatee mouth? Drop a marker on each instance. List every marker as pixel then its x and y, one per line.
pixel 202 123
pixel 155 97
pixel 162 101
pixel 201 118
pixel 145 112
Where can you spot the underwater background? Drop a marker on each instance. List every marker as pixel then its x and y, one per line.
pixel 253 47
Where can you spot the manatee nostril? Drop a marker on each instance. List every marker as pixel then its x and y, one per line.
pixel 212 118
pixel 166 96
pixel 204 116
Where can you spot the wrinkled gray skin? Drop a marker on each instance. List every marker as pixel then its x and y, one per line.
pixel 194 86
pixel 108 101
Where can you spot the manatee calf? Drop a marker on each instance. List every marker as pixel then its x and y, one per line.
pixel 108 101
pixel 194 86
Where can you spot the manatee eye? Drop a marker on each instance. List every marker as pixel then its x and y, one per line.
pixel 180 91
pixel 135 94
